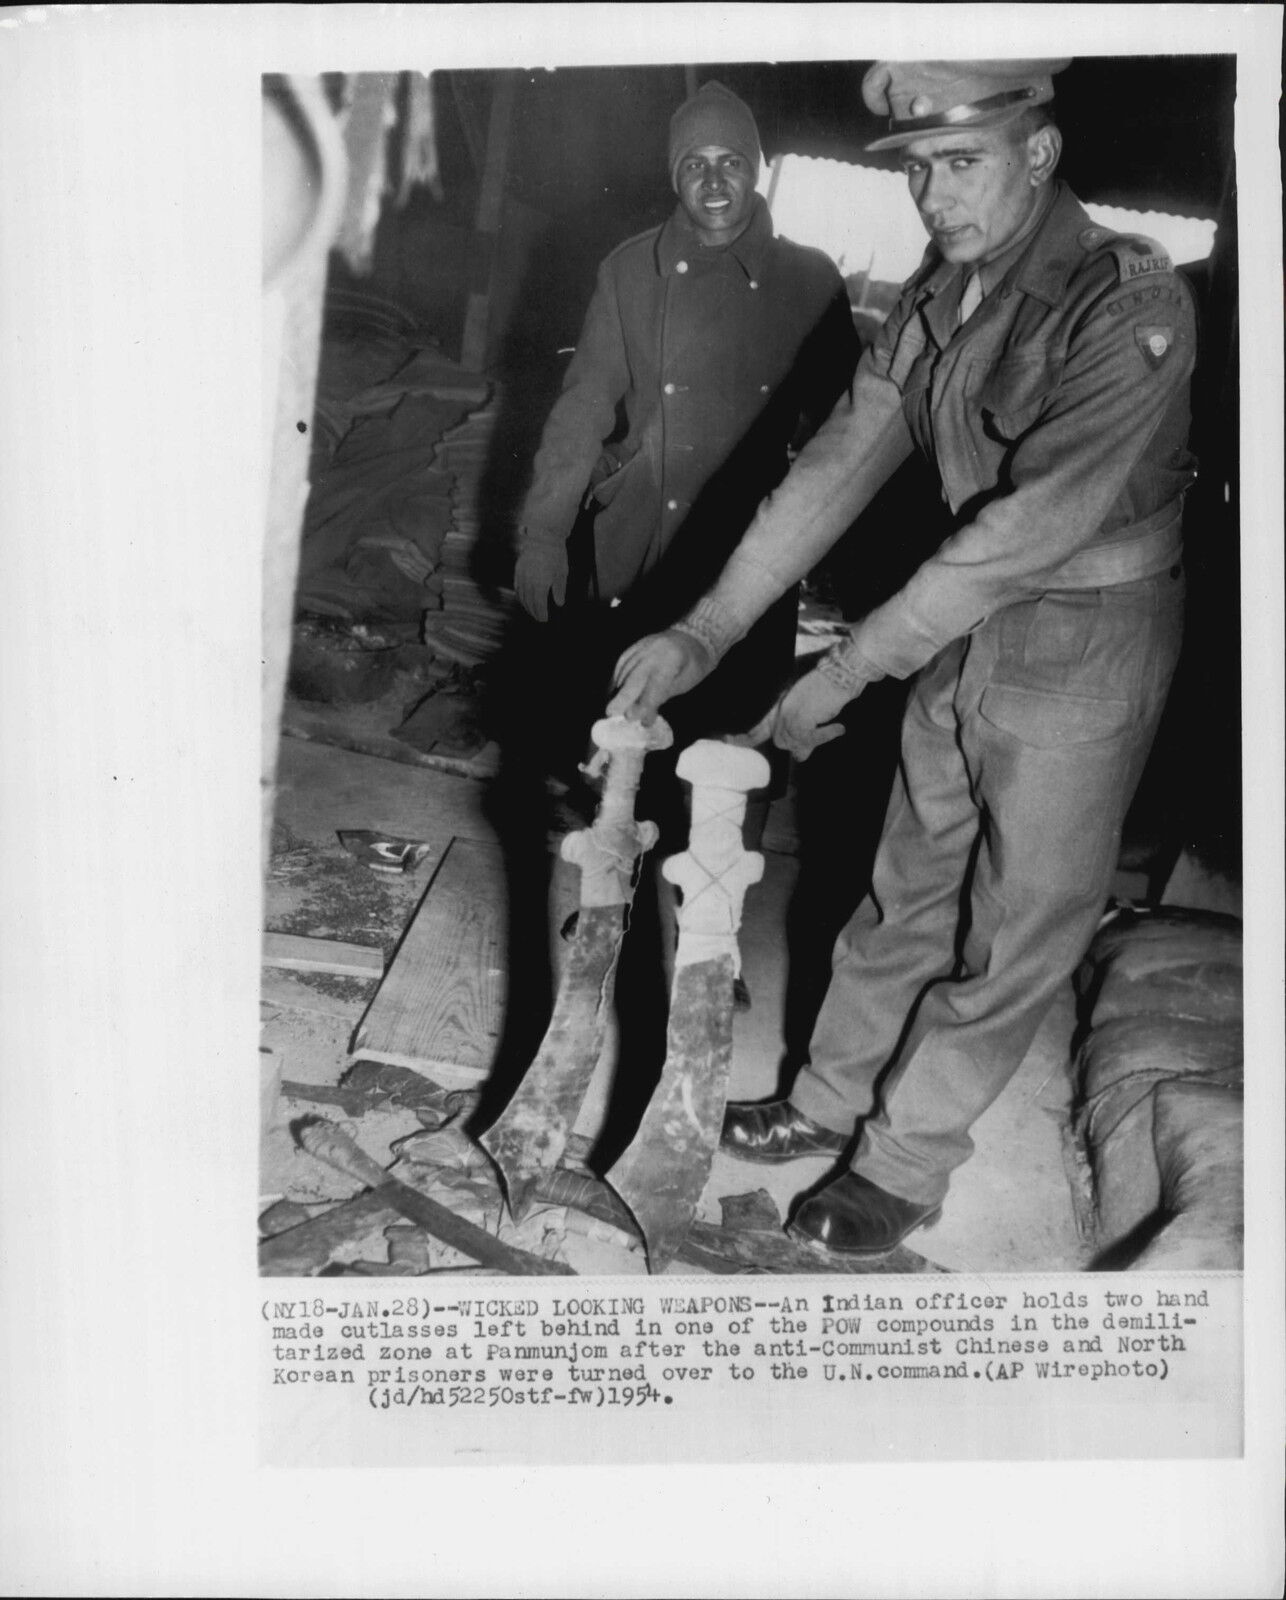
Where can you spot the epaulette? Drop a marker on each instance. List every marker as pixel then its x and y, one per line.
pixel 1135 256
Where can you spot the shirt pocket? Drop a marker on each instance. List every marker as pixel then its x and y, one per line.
pixel 908 363
pixel 1013 390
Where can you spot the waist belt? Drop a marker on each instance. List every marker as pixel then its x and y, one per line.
pixel 1150 547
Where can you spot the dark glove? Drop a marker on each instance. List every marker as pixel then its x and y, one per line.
pixel 541 572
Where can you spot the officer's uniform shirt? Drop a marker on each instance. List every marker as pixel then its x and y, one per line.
pixel 1057 418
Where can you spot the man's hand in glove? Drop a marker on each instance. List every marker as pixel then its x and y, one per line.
pixel 541 572
pixel 654 670
pixel 806 714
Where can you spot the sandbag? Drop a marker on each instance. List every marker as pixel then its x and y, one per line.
pixel 1162 995
pixel 1198 1134
pixel 1173 962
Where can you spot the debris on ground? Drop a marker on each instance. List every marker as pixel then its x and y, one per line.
pixel 337 662
pixel 383 854
pixel 421 1195
pixel 344 902
pixel 751 1213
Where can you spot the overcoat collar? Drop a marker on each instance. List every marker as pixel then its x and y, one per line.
pixel 678 241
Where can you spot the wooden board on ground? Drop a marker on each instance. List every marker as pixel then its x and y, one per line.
pixel 361 729
pixel 299 954
pixel 440 1007
pixel 278 991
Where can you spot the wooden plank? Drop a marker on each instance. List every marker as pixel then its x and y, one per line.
pixel 440 1007
pixel 294 996
pixel 326 726
pixel 299 954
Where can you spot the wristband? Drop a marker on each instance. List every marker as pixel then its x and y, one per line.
pixel 713 627
pixel 842 666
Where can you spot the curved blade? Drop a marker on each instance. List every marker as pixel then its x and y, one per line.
pixel 662 1174
pixel 531 1133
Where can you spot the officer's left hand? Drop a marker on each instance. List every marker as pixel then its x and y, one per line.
pixel 806 715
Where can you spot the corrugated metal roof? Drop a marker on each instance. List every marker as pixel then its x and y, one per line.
pixel 863 218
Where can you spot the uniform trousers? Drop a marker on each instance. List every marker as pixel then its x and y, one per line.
pixel 1022 746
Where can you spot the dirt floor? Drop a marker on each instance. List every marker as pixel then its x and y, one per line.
pixel 1010 1208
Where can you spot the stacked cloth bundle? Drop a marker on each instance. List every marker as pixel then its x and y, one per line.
pixel 1160 1074
pixel 470 608
pixel 381 500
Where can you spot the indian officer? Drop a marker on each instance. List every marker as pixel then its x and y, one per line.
pixel 1042 364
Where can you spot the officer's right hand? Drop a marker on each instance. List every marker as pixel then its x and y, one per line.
pixel 807 713
pixel 541 573
pixel 654 670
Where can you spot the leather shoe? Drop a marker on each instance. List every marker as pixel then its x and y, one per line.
pixel 854 1217
pixel 775 1131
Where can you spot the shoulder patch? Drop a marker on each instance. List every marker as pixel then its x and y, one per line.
pixel 1134 255
pixel 1155 342
pixel 1137 257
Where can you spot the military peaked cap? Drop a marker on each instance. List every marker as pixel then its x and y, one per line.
pixel 920 97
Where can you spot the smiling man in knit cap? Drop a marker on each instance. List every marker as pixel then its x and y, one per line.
pixel 710 349
pixel 1041 364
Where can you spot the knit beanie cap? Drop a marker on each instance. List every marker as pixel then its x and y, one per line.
pixel 714 115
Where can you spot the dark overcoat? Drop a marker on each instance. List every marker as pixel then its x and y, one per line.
pixel 696 371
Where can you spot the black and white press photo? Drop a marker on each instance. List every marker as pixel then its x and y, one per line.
pixel 645 722
pixel 752 734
